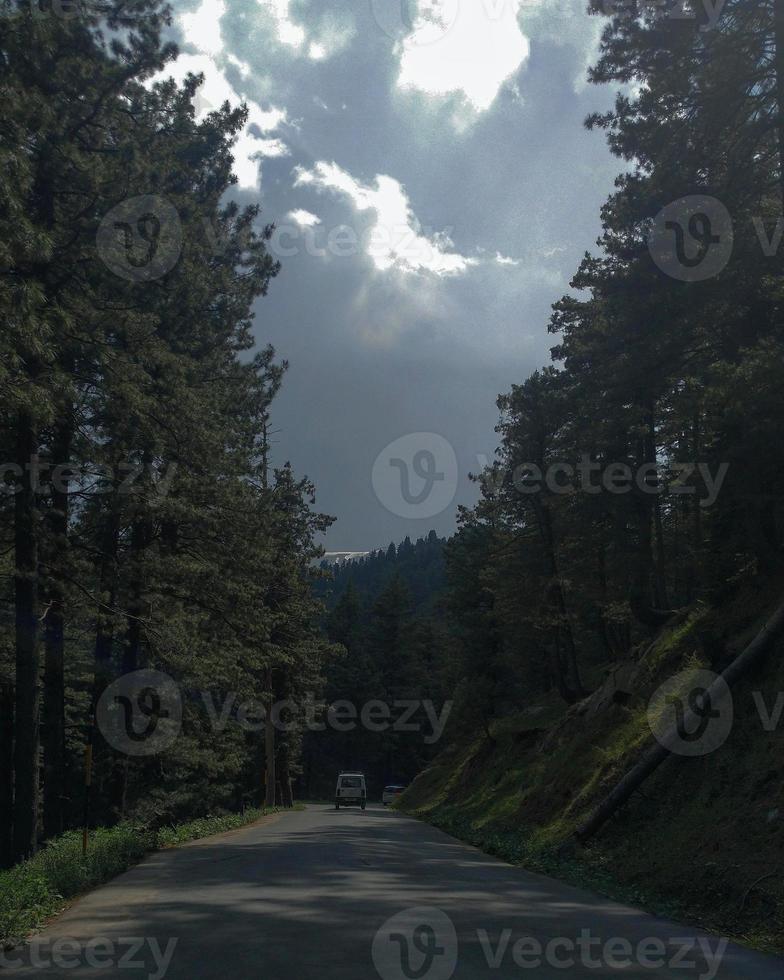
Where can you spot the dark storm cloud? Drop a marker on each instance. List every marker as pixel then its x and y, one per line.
pixel 379 354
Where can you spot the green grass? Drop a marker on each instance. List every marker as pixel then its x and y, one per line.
pixel 33 891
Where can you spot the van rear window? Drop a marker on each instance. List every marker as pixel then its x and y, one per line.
pixel 351 782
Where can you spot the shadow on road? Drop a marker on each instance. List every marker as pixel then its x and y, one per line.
pixel 304 897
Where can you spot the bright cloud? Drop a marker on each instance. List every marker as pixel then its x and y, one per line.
pixel 566 24
pixel 202 27
pixel 303 218
pixel 318 39
pixel 288 32
pixel 332 34
pixel 248 152
pixel 242 66
pixel 463 47
pixel 396 240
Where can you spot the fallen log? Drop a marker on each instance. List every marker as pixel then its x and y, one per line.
pixel 656 754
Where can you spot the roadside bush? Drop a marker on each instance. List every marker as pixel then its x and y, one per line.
pixel 36 889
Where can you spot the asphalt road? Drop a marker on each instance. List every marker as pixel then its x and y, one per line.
pixel 359 895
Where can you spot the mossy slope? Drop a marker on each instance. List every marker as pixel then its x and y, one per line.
pixel 703 840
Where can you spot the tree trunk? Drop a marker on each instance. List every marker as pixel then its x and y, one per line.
pixel 662 598
pixel 654 756
pixel 647 581
pixel 54 720
pixel 141 536
pixel 53 734
pixel 696 516
pixel 104 639
pixel 28 647
pixel 778 30
pixel 104 631
pixel 269 744
pixel 6 772
pixel 568 680
pixel 284 776
pixel 660 566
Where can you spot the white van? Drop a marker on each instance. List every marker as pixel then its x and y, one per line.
pixel 350 790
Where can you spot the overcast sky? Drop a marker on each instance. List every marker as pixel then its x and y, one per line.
pixel 434 190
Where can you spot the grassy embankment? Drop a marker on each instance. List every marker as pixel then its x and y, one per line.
pixel 703 840
pixel 33 891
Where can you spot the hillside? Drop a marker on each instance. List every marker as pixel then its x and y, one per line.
pixel 702 840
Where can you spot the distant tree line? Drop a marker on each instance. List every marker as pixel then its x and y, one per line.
pixel 420 564
pixel 141 526
pixel 386 612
